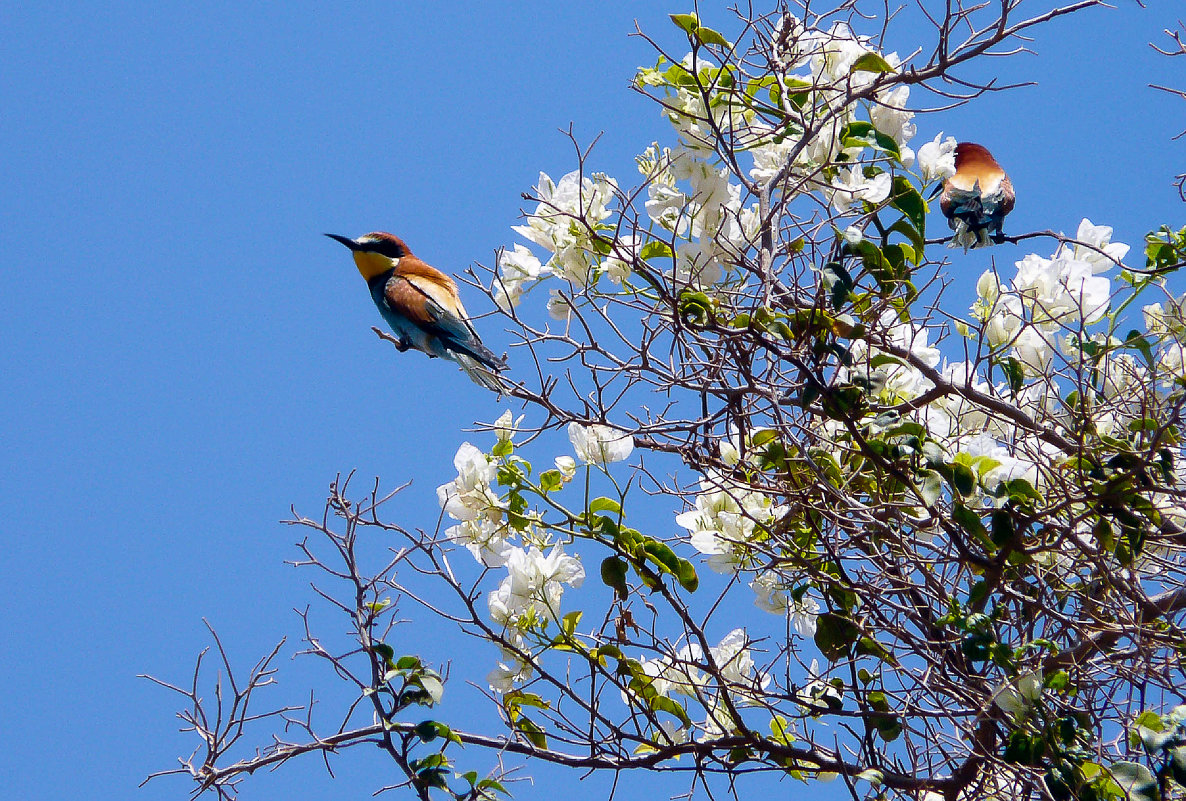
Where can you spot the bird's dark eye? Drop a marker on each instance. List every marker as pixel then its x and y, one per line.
pixel 385 247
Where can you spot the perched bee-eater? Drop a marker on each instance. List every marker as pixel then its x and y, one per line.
pixel 422 306
pixel 976 199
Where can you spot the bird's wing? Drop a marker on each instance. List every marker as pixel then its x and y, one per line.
pixel 429 298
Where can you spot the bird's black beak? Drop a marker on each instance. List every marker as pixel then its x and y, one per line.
pixel 345 240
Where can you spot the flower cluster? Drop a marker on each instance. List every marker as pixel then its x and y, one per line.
pixel 684 673
pixel 494 524
pixel 1047 297
pixel 564 221
pixel 729 522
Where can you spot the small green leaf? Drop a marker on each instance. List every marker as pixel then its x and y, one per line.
pixel 930 487
pixel 688 22
pixel 834 635
pixel 613 575
pixel 710 37
pixel 604 505
pixel 871 62
pixel 534 734
pixel 655 249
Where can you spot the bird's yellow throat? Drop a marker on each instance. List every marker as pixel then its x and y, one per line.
pixel 373 264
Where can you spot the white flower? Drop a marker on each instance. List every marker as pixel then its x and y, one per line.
pixel 889 116
pixel 834 54
pixel 698 263
pixel 619 264
pixel 936 159
pixel 1017 696
pixel 774 596
pixel 819 693
pixel 567 467
pixel 999 464
pixel 851 185
pixel 733 658
pixel 988 288
pixel 506 426
pixel 484 538
pixel 504 677
pixel 670 733
pixel 727 518
pixel 559 307
pixel 516 267
pixel 532 587
pixel 600 444
pixel 470 496
pixel 1034 349
pixel 853 235
pixel 1095 239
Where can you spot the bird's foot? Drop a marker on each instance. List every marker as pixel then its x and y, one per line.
pixel 401 344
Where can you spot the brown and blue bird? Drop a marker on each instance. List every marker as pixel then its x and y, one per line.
pixel 422 306
pixel 976 198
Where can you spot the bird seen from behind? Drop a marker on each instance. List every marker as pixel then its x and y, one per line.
pixel 976 199
pixel 422 306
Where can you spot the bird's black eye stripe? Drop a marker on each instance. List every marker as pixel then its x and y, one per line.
pixel 385 247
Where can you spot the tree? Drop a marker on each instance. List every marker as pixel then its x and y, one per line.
pixel 964 527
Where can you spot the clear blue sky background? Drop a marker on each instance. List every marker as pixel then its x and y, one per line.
pixel 184 355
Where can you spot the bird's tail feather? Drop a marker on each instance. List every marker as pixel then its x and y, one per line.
pixel 475 350
pixel 479 373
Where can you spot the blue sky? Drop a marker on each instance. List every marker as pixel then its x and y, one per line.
pixel 185 355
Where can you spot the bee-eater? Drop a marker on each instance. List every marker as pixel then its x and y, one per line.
pixel 976 199
pixel 422 306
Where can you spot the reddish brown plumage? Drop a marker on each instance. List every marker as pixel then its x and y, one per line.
pixel 974 163
pixel 422 282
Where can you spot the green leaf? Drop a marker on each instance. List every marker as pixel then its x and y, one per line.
pixel 613 575
pixel 867 646
pixel 695 308
pixel 426 731
pixel 662 555
pixel 688 22
pixel 905 198
pixel 710 37
pixel 860 133
pixel 686 575
pixel 604 505
pixel 780 731
pixel 888 729
pixel 969 521
pixel 1015 373
pixel 1002 527
pixel 963 479
pixel 655 249
pixel 570 622
pixel 492 784
pixel 834 635
pixel 550 480
pixel 930 487
pixel 534 734
pixel 662 703
pixel 839 282
pixel 871 62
